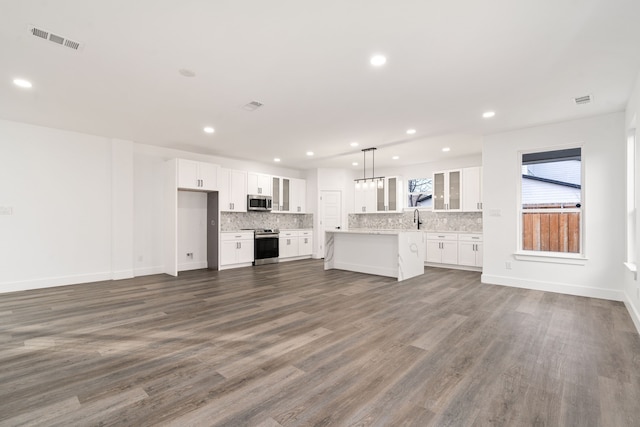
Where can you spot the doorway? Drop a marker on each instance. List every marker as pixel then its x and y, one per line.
pixel 330 215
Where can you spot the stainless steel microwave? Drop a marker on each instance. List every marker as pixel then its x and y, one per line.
pixel 258 203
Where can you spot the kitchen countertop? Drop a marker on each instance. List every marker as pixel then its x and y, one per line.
pixel 373 231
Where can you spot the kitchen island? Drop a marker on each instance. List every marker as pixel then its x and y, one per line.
pixel 391 253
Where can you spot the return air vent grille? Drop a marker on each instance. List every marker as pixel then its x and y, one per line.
pixel 54 38
pixel 252 106
pixel 583 100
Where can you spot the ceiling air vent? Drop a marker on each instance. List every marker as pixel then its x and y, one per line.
pixel 54 38
pixel 582 100
pixel 252 106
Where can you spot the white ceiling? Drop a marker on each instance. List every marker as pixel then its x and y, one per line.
pixel 308 62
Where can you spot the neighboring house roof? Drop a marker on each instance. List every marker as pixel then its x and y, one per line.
pixel 553 182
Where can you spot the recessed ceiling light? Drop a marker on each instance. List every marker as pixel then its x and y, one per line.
pixel 488 114
pixel 411 131
pixel 445 149
pixel 309 153
pixel 209 129
pixel 22 83
pixel 354 164
pixel 186 73
pixel 354 144
pixel 277 159
pixel 378 60
pixel 395 157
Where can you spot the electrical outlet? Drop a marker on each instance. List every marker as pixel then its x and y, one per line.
pixel 6 210
pixel 507 265
pixel 140 258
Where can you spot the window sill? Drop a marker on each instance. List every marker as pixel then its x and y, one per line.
pixel 551 257
pixel 413 209
pixel 631 266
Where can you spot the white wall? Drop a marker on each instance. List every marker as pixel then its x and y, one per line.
pixel 58 186
pixel 192 230
pixel 631 283
pixel 427 169
pixel 85 208
pixel 603 151
pixel 122 209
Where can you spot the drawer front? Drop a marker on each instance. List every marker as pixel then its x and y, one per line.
pixel 288 233
pixel 225 236
pixel 305 233
pixel 442 236
pixel 470 237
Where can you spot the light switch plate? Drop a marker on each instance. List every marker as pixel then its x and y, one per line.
pixel 6 210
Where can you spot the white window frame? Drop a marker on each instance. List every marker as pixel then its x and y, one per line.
pixel 579 258
pixel 631 219
pixel 406 197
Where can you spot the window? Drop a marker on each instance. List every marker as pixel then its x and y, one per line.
pixel 420 193
pixel 551 201
pixel 631 197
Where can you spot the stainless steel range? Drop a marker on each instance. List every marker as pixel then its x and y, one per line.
pixel 266 246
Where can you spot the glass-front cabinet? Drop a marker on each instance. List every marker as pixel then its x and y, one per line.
pixel 447 190
pixel 281 194
pixel 379 195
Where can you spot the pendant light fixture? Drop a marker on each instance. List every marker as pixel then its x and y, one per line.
pixel 373 181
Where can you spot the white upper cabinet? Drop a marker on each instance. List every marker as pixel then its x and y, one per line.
pixel 365 197
pixel 281 191
pixel 472 189
pixel 447 194
pixel 389 195
pixel 193 175
pixel 258 183
pixel 232 196
pixel 298 193
pixel 289 194
pixel 384 195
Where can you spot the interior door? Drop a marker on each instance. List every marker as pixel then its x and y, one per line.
pixel 330 215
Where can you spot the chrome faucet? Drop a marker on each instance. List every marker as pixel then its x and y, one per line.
pixel 416 218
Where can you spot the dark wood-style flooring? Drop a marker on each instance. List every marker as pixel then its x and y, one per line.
pixel 292 345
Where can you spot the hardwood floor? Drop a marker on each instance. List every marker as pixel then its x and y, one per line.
pixel 291 344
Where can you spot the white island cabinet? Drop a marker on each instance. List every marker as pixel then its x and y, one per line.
pixel 391 253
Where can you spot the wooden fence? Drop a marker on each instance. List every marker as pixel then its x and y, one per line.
pixel 553 232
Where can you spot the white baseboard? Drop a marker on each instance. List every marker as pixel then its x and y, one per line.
pixel 148 271
pixel 227 267
pixel 122 274
pixel 50 282
pixel 453 266
pixel 196 265
pixel 295 258
pixel 633 312
pixel 561 288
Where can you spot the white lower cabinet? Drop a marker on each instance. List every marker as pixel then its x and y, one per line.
pixel 295 244
pixel 305 243
pixel 470 250
pixel 288 244
pixel 463 249
pixel 442 248
pixel 236 249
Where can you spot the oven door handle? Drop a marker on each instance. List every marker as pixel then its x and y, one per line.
pixel 267 236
